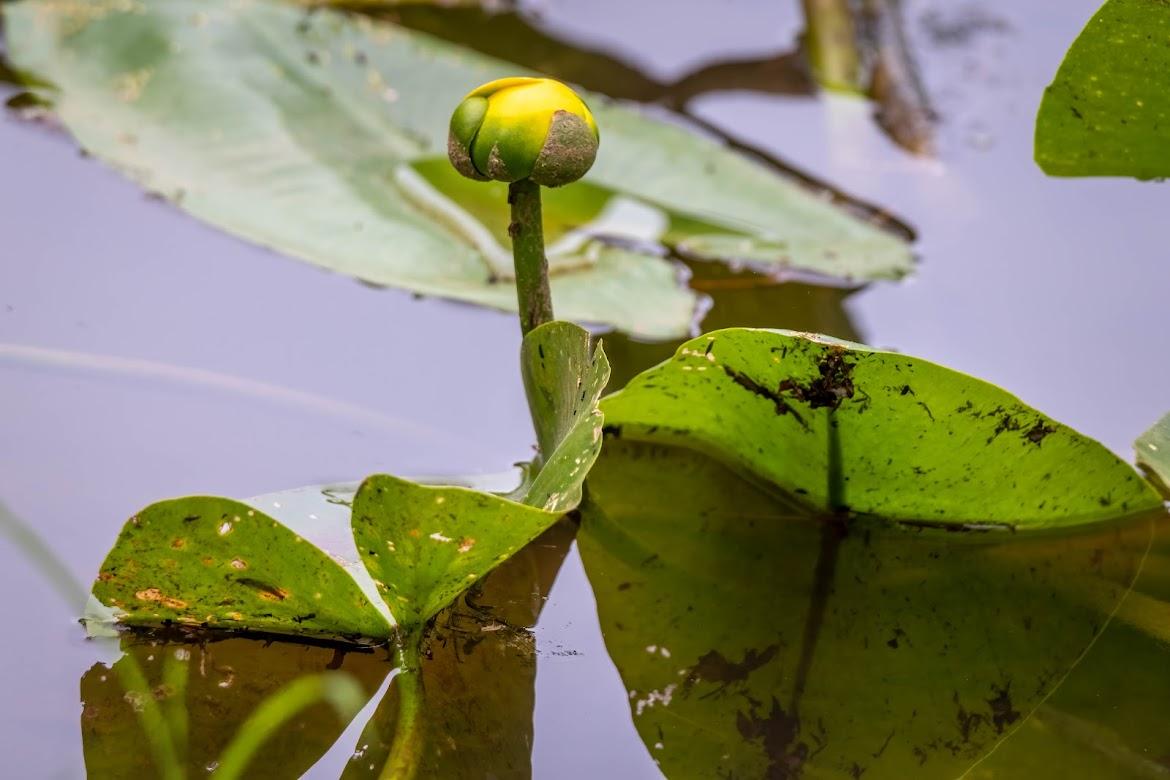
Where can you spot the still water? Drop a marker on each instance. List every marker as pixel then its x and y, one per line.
pixel 143 355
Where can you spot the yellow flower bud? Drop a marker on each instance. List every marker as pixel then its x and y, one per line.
pixel 519 128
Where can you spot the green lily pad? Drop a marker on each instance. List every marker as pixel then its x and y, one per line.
pixel 843 426
pixel 311 134
pixel 426 544
pixel 759 635
pixel 216 563
pixel 1153 454
pixel 1107 112
pixel 478 672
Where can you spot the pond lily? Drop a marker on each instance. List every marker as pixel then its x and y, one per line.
pixel 527 132
pixel 523 128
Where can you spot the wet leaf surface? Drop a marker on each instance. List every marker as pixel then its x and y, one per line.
pixel 761 637
pixel 1153 454
pixel 220 564
pixel 844 426
pixel 478 671
pixel 216 563
pixel 207 690
pixel 564 376
pixel 298 132
pixel 1107 112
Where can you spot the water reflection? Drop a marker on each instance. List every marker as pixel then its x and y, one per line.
pixel 206 691
pixel 478 674
pixel 758 639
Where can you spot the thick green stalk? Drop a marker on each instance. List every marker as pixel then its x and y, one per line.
pixel 527 232
pixel 409 737
pixel 831 44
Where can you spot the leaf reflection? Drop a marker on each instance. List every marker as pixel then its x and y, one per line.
pixel 760 639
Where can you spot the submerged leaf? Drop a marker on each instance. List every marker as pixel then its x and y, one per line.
pixel 217 563
pixel 1107 112
pixel 314 135
pixel 849 427
pixel 1153 454
pixel 759 636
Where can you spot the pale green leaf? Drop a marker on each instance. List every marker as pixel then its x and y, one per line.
pixel 1153 454
pixel 312 134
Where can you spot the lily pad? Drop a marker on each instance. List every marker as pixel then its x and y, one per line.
pixel 1153 454
pixel 1107 112
pixel 216 563
pixel 761 636
pixel 847 427
pixel 303 133
pixel 478 672
pixel 397 550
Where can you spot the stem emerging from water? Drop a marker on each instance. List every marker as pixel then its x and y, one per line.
pixel 527 232
pixel 831 44
pixel 409 739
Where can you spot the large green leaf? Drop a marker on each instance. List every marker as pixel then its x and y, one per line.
pixel 1107 112
pixel 759 636
pixel 206 691
pixel 1153 453
pixel 322 136
pixel 217 563
pixel 878 433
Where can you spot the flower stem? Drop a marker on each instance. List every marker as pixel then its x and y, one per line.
pixel 527 232
pixel 831 43
pixel 409 737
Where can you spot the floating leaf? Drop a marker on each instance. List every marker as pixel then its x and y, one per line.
pixel 760 636
pixel 312 134
pixel 424 545
pixel 207 691
pixel 1107 112
pixel 845 426
pixel 478 673
pixel 217 563
pixel 1153 454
